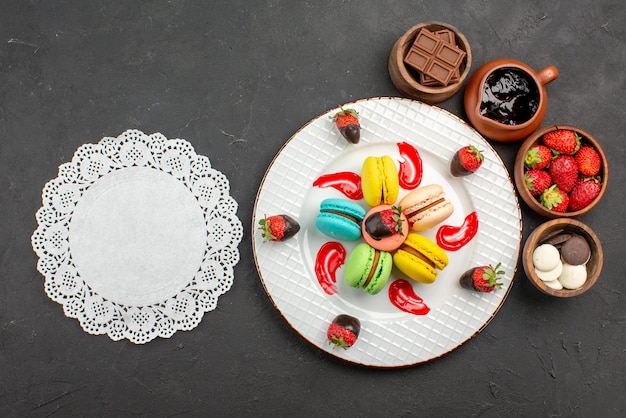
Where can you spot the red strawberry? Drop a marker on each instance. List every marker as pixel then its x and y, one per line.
pixel 588 161
pixel 563 141
pixel 537 181
pixel 584 192
pixel 384 223
pixel 278 227
pixel 343 331
pixel 554 199
pixel 347 121
pixel 482 279
pixel 564 172
pixel 538 156
pixel 466 161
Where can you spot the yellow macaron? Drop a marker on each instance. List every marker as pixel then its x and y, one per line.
pixel 379 181
pixel 420 258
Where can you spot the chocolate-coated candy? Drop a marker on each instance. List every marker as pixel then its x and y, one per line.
pixel 556 238
pixel 575 251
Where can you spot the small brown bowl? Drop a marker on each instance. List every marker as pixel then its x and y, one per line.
pixel 519 170
pixel 407 81
pixel 537 237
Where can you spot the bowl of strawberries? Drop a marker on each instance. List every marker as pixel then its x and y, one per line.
pixel 561 171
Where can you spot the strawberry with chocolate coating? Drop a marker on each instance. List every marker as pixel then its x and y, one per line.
pixel 584 192
pixel 384 223
pixel 278 227
pixel 562 141
pixel 466 161
pixel 343 331
pixel 482 279
pixel 347 121
pixel 538 157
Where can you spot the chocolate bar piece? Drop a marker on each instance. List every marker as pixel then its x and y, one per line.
pixel 434 57
pixel 448 36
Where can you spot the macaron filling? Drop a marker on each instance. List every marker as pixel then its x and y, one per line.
pixel 419 255
pixel 372 269
pixel 425 208
pixel 343 215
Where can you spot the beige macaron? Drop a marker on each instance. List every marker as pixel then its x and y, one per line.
pixel 426 207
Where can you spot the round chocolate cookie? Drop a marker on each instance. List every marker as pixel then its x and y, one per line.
pixel 575 250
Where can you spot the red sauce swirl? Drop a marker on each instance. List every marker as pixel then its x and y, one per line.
pixel 346 182
pixel 410 174
pixel 403 297
pixel 453 238
pixel 329 258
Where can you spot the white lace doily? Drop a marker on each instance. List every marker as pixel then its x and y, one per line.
pixel 137 236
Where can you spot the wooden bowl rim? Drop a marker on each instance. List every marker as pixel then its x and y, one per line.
pixel 518 172
pixel 597 255
pixel 399 53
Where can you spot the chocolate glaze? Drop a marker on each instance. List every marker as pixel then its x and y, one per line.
pixel 510 96
pixel 351 132
pixel 348 322
pixel 456 168
pixel 466 279
pixel 377 229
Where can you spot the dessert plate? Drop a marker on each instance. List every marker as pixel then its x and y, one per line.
pixel 390 337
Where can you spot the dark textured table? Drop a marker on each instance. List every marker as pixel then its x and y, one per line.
pixel 237 79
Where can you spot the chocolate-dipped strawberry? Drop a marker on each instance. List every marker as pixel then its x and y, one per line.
pixel 482 279
pixel 278 227
pixel 385 223
pixel 466 161
pixel 343 331
pixel 347 121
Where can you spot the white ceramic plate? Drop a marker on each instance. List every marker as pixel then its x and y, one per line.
pixel 389 337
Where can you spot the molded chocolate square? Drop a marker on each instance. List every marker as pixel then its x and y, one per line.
pixel 417 59
pixel 439 71
pixel 450 54
pixel 447 35
pixel 427 41
pixel 426 80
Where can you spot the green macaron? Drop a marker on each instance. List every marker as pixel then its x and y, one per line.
pixel 368 268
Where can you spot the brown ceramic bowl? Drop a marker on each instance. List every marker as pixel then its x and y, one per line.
pixel 407 80
pixel 496 130
pixel 519 170
pixel 594 265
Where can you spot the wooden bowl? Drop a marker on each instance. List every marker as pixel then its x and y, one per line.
pixel 594 265
pixel 406 80
pixel 519 170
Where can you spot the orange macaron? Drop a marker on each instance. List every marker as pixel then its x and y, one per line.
pixel 385 227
